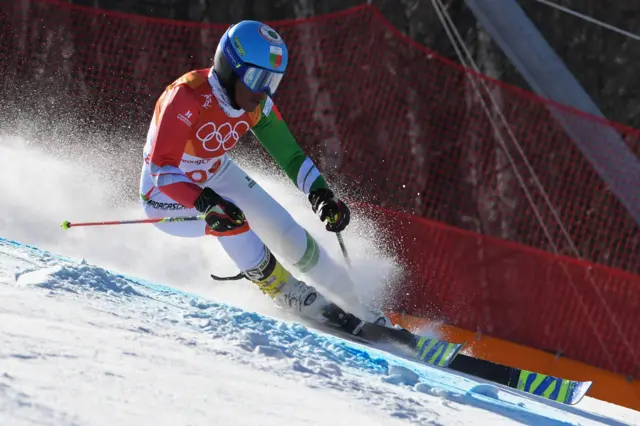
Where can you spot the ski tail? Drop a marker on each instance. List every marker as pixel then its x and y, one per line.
pixel 437 352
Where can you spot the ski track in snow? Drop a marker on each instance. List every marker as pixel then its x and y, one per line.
pixel 81 345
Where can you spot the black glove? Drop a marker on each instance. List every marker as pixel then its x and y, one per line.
pixel 221 215
pixel 329 208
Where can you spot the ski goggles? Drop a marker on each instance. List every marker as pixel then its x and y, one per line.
pixel 261 80
pixel 257 79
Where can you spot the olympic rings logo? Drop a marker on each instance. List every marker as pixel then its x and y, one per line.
pixel 214 138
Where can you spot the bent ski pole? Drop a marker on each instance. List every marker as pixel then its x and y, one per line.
pixel 66 224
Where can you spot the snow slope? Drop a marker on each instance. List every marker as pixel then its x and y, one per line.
pixel 82 345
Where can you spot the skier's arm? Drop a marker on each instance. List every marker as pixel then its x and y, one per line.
pixel 274 135
pixel 172 132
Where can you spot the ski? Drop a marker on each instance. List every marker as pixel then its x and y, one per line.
pixel 400 342
pixel 549 387
pixel 441 353
pixel 426 350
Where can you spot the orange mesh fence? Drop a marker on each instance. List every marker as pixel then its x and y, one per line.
pixel 585 312
pixel 402 128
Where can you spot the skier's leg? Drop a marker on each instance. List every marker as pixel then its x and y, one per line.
pixel 251 256
pixel 159 205
pixel 288 292
pixel 277 228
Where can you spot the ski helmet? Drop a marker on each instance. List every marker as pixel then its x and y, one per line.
pixel 254 53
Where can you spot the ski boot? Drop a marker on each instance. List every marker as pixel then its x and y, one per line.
pixel 286 291
pixel 377 316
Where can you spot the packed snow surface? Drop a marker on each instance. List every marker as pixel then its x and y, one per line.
pixel 83 345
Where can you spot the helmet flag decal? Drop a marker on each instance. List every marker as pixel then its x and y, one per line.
pixel 275 56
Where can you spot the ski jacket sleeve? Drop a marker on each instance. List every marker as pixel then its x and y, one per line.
pixel 274 135
pixel 175 118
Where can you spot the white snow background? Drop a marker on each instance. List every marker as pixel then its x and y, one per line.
pixel 123 326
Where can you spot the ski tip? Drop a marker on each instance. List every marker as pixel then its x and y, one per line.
pixel 66 224
pixel 557 389
pixel 578 391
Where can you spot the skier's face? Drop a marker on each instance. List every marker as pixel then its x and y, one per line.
pixel 246 99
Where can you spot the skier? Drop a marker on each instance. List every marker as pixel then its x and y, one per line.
pixel 186 170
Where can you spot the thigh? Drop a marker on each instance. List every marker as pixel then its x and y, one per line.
pixel 245 249
pixel 272 222
pixel 162 206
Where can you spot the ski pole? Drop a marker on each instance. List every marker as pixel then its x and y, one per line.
pixel 343 247
pixel 66 224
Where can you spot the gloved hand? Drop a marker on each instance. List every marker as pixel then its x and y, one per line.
pixel 221 215
pixel 329 208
